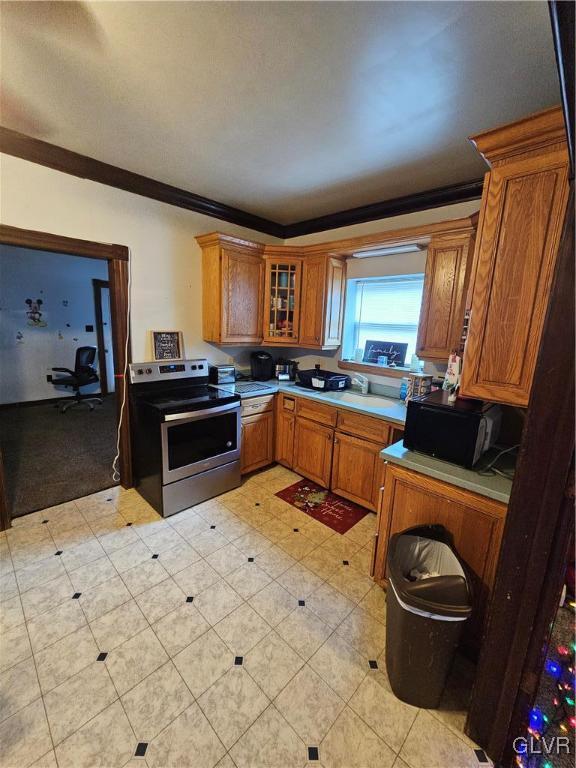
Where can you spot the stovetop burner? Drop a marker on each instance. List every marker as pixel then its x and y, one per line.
pixel 189 398
pixel 176 388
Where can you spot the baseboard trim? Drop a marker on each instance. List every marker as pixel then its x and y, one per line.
pixel 50 400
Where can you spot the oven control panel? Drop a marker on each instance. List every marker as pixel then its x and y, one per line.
pixel 162 370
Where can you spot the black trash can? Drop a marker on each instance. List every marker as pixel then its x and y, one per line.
pixel 427 602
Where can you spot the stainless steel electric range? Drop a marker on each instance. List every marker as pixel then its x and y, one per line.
pixel 185 434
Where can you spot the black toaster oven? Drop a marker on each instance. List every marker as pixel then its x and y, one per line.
pixel 222 374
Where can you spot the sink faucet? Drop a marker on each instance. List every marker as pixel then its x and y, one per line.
pixel 360 383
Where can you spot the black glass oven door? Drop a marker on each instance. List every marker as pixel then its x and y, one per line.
pixel 196 442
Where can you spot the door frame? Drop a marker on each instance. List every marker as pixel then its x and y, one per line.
pixel 97 286
pixel 540 518
pixel 117 257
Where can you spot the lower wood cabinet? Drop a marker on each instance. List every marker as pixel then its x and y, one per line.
pixel 313 451
pixel 257 441
pixel 284 453
pixel 357 470
pixel 285 422
pixel 474 522
pixel 335 448
pixel 257 433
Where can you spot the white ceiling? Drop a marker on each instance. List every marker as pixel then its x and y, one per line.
pixel 286 109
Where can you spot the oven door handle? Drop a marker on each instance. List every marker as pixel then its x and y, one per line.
pixel 203 412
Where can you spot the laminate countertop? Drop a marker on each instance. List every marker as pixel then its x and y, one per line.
pixel 387 408
pixel 492 486
pixel 392 410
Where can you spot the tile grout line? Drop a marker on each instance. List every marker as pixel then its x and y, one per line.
pixel 334 630
pixel 245 601
pixel 111 680
pixel 306 663
pixel 106 554
pixel 36 672
pixel 212 627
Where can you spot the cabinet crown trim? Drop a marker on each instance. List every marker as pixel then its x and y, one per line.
pixel 535 132
pixel 217 238
pixel 343 248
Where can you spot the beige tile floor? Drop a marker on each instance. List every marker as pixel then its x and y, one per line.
pixel 220 637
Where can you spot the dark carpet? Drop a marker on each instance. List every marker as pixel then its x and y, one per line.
pixel 52 457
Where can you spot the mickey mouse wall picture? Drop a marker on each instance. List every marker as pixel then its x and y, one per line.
pixel 34 313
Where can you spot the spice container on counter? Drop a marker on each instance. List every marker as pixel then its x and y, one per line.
pixel 418 384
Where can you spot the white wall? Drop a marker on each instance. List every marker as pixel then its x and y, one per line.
pixel 29 351
pixel 166 260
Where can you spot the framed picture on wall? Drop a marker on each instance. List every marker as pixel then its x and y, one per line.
pixel 167 345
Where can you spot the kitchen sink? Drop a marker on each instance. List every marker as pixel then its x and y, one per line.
pixel 356 398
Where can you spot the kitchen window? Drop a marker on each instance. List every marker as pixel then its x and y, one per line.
pixel 385 309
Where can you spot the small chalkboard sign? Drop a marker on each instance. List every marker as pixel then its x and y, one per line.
pixel 167 345
pixel 393 350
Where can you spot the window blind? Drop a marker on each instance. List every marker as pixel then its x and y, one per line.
pixel 383 309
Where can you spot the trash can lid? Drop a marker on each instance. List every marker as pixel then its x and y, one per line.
pixel 427 576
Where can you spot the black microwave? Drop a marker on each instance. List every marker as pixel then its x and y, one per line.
pixel 458 432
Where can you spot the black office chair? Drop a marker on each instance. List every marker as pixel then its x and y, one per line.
pixel 83 374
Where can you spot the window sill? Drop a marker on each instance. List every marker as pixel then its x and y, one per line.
pixel 378 370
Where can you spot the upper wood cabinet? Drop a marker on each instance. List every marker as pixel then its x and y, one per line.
pixel 312 300
pixel 282 300
pixel 443 300
pixel 523 207
pixel 232 290
pixel 304 299
pixel 283 295
pixel 322 304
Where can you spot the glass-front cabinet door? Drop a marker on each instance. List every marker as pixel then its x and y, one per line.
pixel 282 300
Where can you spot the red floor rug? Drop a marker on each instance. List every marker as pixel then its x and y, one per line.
pixel 334 511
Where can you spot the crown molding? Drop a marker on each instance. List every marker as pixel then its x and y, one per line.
pixel 60 159
pixel 420 201
pixel 533 133
pixel 84 167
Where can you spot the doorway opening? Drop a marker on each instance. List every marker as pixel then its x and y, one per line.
pixel 58 331
pixel 57 422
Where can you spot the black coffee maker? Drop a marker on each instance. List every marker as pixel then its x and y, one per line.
pixel 285 370
pixel 261 366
